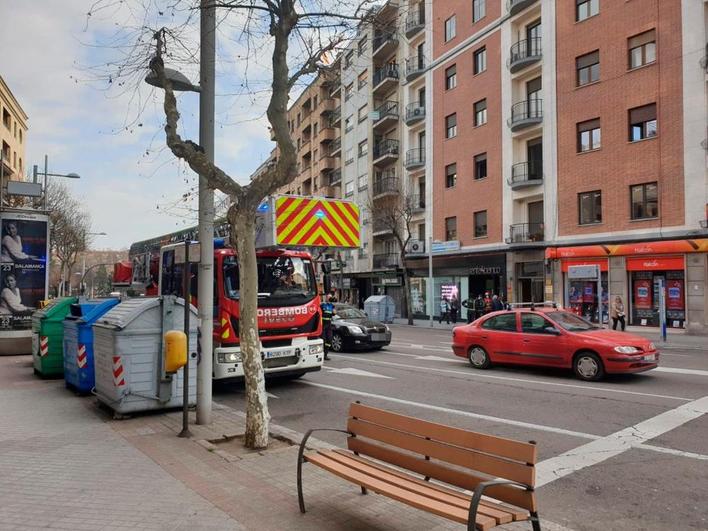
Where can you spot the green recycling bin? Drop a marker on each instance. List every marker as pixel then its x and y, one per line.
pixel 48 337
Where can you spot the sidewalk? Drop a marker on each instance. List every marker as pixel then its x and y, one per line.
pixel 675 338
pixel 66 464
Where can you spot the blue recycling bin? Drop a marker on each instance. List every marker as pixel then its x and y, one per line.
pixel 78 343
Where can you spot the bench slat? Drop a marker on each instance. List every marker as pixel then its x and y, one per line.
pixel 458 498
pixel 418 501
pixel 490 444
pixel 494 466
pixel 515 496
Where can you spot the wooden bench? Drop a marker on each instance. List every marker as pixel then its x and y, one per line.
pixel 502 470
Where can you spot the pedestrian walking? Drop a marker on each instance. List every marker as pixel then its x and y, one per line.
pixel 478 306
pixel 617 313
pixel 497 304
pixel 444 310
pixel 327 312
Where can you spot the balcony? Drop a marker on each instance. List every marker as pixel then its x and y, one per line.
pixel 335 177
pixel 326 107
pixel 414 23
pixel 524 53
pixel 415 158
pixel 526 174
pixel 384 44
pixel 327 134
pixel 415 66
pixel 336 117
pixel 415 112
pixel 326 162
pixel 417 204
pixel 387 261
pixel 335 87
pixel 526 114
pixel 525 233
pixel 516 6
pixel 388 114
pixel 385 151
pixel 385 78
pixel 385 184
pixel 335 148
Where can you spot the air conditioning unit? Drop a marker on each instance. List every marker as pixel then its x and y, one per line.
pixel 417 111
pixel 415 247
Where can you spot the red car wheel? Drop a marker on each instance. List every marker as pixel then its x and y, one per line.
pixel 478 358
pixel 588 366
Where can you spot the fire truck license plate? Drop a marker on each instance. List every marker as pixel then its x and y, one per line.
pixel 270 354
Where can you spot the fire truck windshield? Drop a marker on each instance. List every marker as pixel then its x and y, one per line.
pixel 282 280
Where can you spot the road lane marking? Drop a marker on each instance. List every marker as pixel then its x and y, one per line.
pixel 436 358
pixel 619 442
pixel 473 373
pixel 356 372
pixel 677 370
pixel 671 451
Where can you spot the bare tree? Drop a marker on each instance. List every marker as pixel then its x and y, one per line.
pixel 394 214
pixel 276 24
pixel 70 225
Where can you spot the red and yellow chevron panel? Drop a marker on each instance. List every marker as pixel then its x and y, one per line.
pixel 316 222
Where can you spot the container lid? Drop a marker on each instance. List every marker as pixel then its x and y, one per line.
pixel 57 309
pixel 121 315
pixel 90 310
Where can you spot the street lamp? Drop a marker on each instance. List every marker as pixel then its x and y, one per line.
pixel 205 296
pixel 83 261
pixel 45 173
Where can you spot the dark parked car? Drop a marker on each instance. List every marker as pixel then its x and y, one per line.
pixel 353 330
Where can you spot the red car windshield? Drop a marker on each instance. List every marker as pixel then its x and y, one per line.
pixel 571 322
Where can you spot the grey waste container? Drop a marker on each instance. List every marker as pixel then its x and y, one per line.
pixel 380 308
pixel 128 355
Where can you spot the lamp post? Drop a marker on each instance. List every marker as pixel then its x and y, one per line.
pixel 207 66
pixel 83 261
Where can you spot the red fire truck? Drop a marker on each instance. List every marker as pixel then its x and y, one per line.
pixel 289 319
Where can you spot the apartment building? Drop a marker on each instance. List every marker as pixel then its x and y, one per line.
pixel 568 133
pixel 13 134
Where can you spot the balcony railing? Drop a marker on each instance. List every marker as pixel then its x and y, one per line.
pixel 335 146
pixel 335 177
pixel 524 53
pixel 414 112
pixel 387 40
pixel 526 174
pixel 386 260
pixel 389 71
pixel 415 66
pixel 388 109
pixel 526 113
pixel 414 23
pixel 388 147
pixel 515 6
pixel 417 203
pixel 385 183
pixel 526 233
pixel 415 158
pixel 336 116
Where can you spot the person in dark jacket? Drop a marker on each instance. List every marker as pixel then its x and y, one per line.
pixel 497 304
pixel 327 312
pixel 478 306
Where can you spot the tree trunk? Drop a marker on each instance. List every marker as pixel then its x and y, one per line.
pixel 257 415
pixel 407 291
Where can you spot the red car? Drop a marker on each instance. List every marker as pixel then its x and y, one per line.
pixel 551 337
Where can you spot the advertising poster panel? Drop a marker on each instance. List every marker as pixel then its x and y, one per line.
pixel 23 267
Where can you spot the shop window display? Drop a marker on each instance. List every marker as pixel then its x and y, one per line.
pixel 645 298
pixel 582 299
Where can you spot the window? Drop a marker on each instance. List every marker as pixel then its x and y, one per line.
pixel 450 229
pixel 362 113
pixel 348 59
pixel 480 60
pixel 349 156
pixel 363 181
pixel 451 126
pixel 451 77
pixel 645 201
pixel 362 46
pixel 349 188
pixel 348 123
pixel 533 323
pixel 642 49
pixel 590 207
pixel 480 166
pixel 20 136
pixel 480 112
pixel 363 79
pixel 450 175
pixel 363 148
pixel 588 68
pixel 348 91
pixel 586 9
pixel 642 122
pixel 480 224
pixel 450 29
pixel 589 135
pixel 505 322
pixel 6 118
pixel 479 9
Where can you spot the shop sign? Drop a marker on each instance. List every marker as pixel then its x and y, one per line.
pixel 698 245
pixel 390 281
pixel 583 271
pixel 671 263
pixel 444 247
pixel 570 262
pixel 485 270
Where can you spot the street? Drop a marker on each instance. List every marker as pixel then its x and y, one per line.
pixel 629 452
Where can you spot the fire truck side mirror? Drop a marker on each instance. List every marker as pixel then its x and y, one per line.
pixel 175 350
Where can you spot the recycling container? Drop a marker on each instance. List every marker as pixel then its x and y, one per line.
pixel 78 342
pixel 380 308
pixel 48 337
pixel 129 355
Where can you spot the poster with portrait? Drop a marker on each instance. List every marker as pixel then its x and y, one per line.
pixel 23 267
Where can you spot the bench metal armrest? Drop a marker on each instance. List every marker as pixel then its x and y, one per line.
pixel 477 497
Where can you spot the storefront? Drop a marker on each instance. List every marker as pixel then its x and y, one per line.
pixel 635 272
